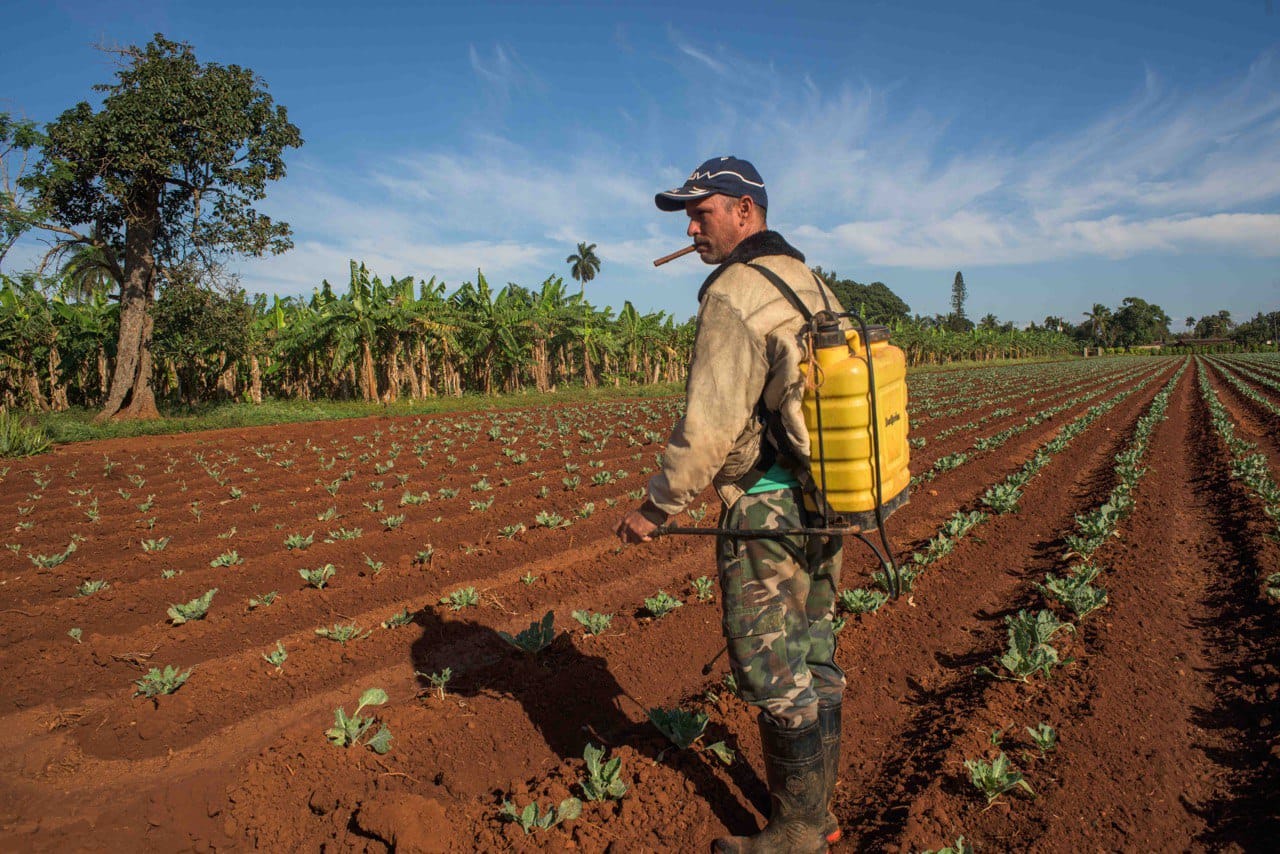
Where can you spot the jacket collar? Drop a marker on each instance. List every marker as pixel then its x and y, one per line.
pixel 755 246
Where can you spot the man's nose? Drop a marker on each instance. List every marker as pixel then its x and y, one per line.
pixel 692 230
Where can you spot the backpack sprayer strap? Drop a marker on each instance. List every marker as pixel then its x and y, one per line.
pixel 777 441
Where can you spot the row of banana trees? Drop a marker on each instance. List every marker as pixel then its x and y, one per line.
pixel 377 341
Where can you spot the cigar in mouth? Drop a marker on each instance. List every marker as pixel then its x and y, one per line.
pixel 674 255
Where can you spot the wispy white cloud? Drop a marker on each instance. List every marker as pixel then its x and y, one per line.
pixel 503 71
pixel 701 56
pixel 856 176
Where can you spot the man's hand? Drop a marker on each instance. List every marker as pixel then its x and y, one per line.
pixel 635 528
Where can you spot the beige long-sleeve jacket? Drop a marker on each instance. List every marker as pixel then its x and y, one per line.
pixel 747 346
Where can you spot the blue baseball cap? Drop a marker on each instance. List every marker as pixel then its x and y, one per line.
pixel 729 176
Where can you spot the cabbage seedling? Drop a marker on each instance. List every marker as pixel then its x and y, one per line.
pixel 152 546
pixel 50 561
pixel 158 682
pixel 702 588
pixel 595 624
pixel 230 558
pixel 403 618
pixel 995 778
pixel 437 680
pixel 463 597
pixel 277 656
pixel 88 588
pixel 532 818
pixel 262 601
pixel 299 542
pixel 349 730
pixel 680 727
pixel 536 638
pixel 661 604
pixel 318 577
pixel 193 610
pixel 603 780
pixel 342 633
pixel 862 601
pixel 1044 737
pixel 75 634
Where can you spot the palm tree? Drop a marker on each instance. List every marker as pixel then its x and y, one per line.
pixel 584 264
pixel 1099 321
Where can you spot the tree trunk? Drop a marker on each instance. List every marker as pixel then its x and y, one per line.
pixel 227 381
pixel 392 394
pixel 142 400
pixel 103 376
pixel 57 390
pixel 541 365
pixel 588 376
pixel 368 380
pixel 31 383
pixel 255 379
pixel 128 382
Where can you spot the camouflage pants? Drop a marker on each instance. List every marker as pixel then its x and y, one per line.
pixel 778 599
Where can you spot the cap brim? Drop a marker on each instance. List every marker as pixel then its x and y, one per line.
pixel 673 200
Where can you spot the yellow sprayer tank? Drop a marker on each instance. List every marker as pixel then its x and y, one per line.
pixel 843 444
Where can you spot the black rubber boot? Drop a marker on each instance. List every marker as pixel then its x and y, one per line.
pixel 829 726
pixel 794 767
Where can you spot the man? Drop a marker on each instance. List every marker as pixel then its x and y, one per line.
pixel 743 430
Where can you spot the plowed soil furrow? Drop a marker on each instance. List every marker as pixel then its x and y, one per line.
pixel 920 694
pixel 1167 723
pixel 962 487
pixel 1254 422
pixel 985 425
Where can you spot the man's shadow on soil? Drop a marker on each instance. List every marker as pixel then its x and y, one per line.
pixel 571 697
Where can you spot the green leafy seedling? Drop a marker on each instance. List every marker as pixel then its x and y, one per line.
pixel 438 680
pixel 88 588
pixel 536 638
pixel 661 604
pixel 402 618
pixel 342 633
pixel 193 610
pixel 680 727
pixel 1044 737
pixel 463 597
pixel 277 656
pixel 263 600
pixel 158 682
pixel 595 624
pixel 703 588
pixel 996 777
pixel 531 818
pixel 861 600
pixel 318 577
pixel 231 558
pixel 349 730
pixel 299 542
pixel 1030 651
pixel 603 781
pixel 153 546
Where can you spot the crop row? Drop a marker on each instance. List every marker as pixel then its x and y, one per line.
pixel 987 444
pixel 1001 498
pixel 1248 465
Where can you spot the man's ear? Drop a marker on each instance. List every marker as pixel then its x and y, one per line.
pixel 745 209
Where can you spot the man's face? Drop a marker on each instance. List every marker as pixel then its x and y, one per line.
pixel 717 224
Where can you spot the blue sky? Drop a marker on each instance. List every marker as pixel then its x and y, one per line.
pixel 1059 154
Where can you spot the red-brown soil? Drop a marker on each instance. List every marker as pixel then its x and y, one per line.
pixel 1167 712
